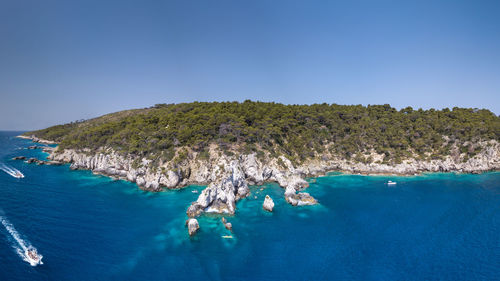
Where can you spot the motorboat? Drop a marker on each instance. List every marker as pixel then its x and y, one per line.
pixel 18 175
pixel 391 183
pixel 194 191
pixel 32 256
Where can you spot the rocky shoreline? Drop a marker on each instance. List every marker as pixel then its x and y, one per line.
pixel 227 177
pixel 33 160
pixel 37 140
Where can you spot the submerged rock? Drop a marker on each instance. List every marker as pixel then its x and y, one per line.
pixel 19 158
pixel 268 204
pixel 227 224
pixel 193 226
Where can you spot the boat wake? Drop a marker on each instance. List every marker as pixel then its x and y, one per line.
pixel 11 171
pixel 23 247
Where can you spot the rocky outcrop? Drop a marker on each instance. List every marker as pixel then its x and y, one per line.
pixel 47 149
pixel 193 226
pixel 37 161
pixel 300 199
pixel 268 204
pixel 220 197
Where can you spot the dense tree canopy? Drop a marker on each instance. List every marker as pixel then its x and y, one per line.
pixel 297 131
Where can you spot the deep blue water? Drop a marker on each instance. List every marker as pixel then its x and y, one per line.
pixel 430 227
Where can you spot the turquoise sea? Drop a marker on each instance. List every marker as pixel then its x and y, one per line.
pixel 87 227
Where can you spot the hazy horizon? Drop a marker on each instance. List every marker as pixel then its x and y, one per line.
pixel 69 60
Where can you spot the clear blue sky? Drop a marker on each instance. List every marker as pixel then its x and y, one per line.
pixel 67 60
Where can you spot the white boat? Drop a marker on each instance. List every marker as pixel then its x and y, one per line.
pixel 11 171
pixel 227 236
pixel 391 183
pixel 32 256
pixel 194 191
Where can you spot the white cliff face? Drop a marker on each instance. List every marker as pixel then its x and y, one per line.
pixel 268 204
pixel 254 172
pixel 171 179
pixel 488 159
pixel 114 165
pixel 250 169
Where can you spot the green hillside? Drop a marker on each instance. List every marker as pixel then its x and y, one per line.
pixel 296 131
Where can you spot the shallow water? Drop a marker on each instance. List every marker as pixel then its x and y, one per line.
pixel 87 227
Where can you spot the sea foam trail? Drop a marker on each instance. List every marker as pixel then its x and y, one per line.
pixel 21 246
pixel 11 170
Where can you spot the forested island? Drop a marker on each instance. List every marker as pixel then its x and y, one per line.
pixel 228 145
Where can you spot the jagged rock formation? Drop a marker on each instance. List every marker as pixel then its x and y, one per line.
pixel 268 204
pixel 221 197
